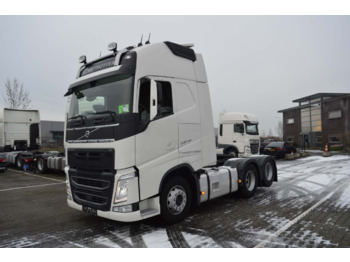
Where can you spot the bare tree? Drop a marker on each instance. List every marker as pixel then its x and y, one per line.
pixel 279 129
pixel 270 134
pixel 16 97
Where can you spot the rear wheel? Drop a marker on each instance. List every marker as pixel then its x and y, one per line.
pixel 249 182
pixel 41 165
pixel 175 199
pixel 19 161
pixel 269 171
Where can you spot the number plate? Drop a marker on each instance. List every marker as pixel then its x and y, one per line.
pixel 90 210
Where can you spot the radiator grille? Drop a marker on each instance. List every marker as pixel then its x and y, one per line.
pixel 254 146
pixel 91 175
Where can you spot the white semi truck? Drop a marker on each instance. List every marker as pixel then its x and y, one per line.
pixel 19 130
pixel 238 134
pixel 139 137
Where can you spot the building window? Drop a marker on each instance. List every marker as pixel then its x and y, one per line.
pixel 290 121
pixel 318 139
pixel 334 114
pixel 335 139
pixel 290 139
pixel 305 120
pixel 311 118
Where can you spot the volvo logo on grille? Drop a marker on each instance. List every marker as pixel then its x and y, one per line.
pixel 87 133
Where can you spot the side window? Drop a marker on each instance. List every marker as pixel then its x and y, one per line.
pixel 238 128
pixel 144 100
pixel 165 99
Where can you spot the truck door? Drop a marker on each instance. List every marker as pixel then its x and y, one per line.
pixel 239 136
pixel 157 142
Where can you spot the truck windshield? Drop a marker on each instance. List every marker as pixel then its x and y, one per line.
pixel 252 129
pixel 101 101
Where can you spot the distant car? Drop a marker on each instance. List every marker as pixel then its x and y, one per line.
pixel 279 149
pixel 265 143
pixel 3 162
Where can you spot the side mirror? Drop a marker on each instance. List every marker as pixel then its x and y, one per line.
pixel 153 102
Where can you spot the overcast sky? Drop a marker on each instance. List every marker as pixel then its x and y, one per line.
pixel 255 64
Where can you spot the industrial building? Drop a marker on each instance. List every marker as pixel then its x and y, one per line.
pixel 319 119
pixel 51 133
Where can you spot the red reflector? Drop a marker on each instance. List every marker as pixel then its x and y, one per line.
pixel 2 160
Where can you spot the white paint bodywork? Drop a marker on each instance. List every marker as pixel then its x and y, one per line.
pixel 185 137
pixel 229 137
pixel 15 125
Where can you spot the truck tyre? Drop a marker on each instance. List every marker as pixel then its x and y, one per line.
pixel 249 181
pixel 41 165
pixel 175 199
pixel 268 173
pixel 232 153
pixel 19 161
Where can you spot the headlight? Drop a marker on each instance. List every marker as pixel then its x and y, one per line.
pixel 247 150
pixel 121 194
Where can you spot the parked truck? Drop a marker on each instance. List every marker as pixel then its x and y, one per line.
pixel 19 130
pixel 139 137
pixel 238 134
pixel 36 161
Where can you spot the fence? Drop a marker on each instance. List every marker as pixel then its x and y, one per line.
pixel 50 143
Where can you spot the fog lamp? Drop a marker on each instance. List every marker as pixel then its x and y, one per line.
pixel 123 209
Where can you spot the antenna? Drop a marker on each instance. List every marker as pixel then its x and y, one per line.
pixel 140 44
pixel 149 37
pixel 100 53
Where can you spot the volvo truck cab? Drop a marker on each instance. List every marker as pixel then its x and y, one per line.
pixel 139 136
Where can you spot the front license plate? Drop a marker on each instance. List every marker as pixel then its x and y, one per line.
pixel 90 211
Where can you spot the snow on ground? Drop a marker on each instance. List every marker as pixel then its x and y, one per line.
pixel 301 182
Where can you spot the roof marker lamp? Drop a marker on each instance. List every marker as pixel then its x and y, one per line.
pixel 82 59
pixel 112 47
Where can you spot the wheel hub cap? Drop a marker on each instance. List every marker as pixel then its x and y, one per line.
pixel 176 201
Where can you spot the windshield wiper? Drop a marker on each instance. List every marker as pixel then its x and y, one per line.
pixel 111 113
pixel 106 112
pixel 78 116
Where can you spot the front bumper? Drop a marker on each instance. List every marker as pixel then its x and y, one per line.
pixel 148 208
pixel 126 210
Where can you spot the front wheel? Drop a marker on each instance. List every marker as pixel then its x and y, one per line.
pixel 175 199
pixel 249 182
pixel 232 153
